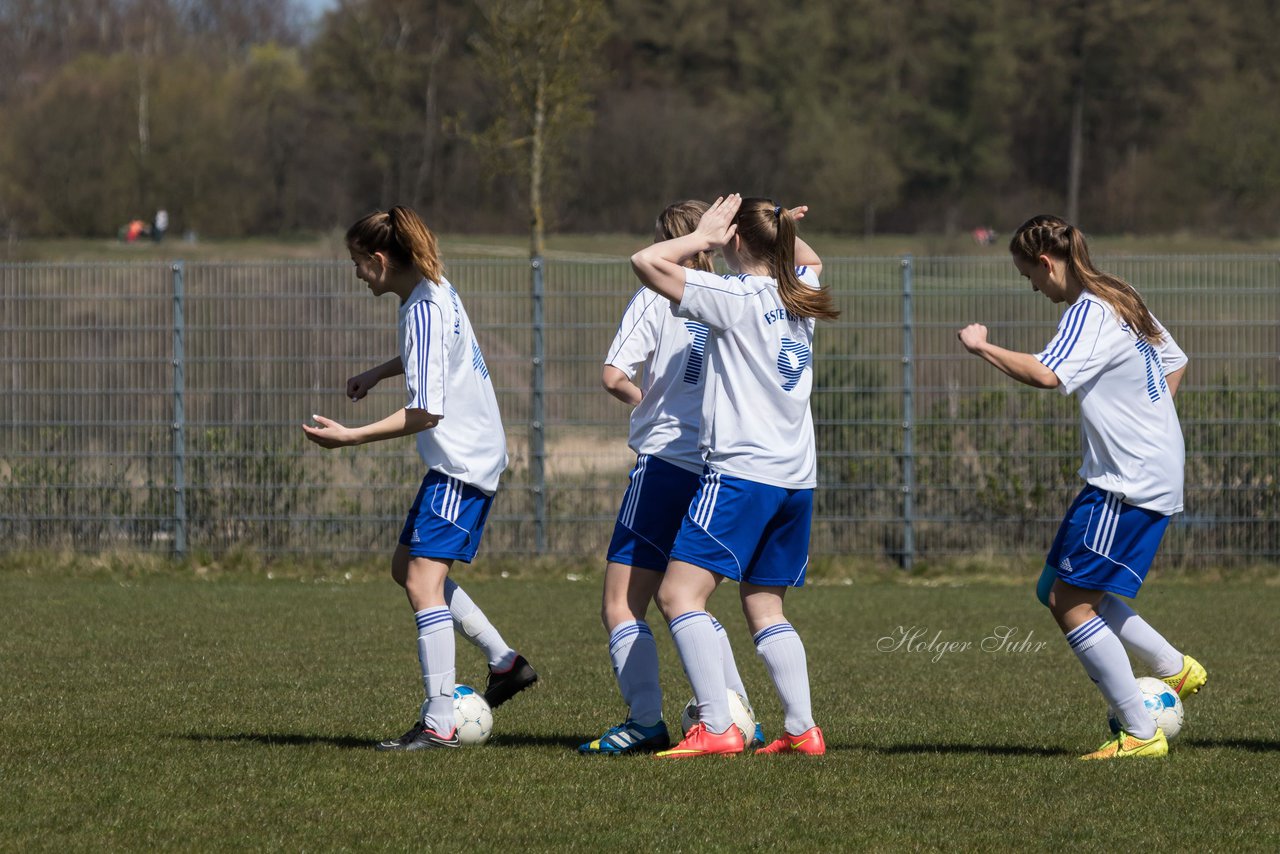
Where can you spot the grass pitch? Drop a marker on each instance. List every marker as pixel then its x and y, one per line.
pixel 164 712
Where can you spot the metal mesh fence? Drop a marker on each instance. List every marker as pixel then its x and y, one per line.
pixel 157 407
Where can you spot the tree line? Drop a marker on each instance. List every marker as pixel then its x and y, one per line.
pixel 246 117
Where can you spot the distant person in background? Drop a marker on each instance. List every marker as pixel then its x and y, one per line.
pixel 160 225
pixel 1124 367
pixel 453 411
pixel 135 229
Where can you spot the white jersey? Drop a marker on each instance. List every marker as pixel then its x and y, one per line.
pixel 445 374
pixel 1131 438
pixel 756 423
pixel 672 353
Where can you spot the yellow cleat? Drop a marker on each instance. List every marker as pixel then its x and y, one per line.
pixel 1189 679
pixel 1125 746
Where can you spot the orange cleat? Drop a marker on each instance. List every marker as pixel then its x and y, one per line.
pixel 809 742
pixel 701 741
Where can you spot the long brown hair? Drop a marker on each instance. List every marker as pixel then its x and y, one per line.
pixel 1051 235
pixel 402 236
pixel 679 219
pixel 768 234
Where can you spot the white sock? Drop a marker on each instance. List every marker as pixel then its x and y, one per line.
pixel 1139 638
pixel 435 654
pixel 635 662
pixel 471 622
pixel 1107 664
pixel 699 649
pixel 732 680
pixel 784 658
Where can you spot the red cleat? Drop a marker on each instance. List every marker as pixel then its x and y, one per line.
pixel 702 742
pixel 809 742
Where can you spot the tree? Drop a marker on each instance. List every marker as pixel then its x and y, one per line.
pixel 541 56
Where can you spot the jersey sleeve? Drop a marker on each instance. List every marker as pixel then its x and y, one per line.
pixel 1171 355
pixel 717 301
pixel 424 359
pixel 637 335
pixel 1075 354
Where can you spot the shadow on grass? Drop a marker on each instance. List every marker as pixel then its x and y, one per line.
pixel 989 749
pixel 292 739
pixel 1253 745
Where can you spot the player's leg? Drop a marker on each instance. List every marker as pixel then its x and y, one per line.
pixel 423 581
pixel 733 679
pixel 682 598
pixel 509 671
pixel 1180 672
pixel 634 655
pixel 780 648
pixel 1107 664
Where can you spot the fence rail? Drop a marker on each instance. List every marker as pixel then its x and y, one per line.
pixel 157 407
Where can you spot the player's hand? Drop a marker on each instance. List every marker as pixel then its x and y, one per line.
pixel 973 337
pixel 716 225
pixel 359 385
pixel 798 211
pixel 330 434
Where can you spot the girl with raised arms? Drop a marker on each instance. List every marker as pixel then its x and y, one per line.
pixel 750 519
pixel 1124 367
pixel 463 447
pixel 670 352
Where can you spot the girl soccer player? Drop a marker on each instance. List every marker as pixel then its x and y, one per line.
pixel 1125 368
pixel 394 252
pixel 750 519
pixel 664 435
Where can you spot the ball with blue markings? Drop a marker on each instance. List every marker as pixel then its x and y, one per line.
pixel 1162 704
pixel 472 716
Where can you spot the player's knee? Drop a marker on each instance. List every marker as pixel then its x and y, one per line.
pixel 1045 585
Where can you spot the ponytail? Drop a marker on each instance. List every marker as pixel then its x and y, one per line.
pixel 1051 235
pixel 768 234
pixel 402 236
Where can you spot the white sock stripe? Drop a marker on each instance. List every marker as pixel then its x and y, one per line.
pixel 432 617
pixel 773 631
pixel 1085 631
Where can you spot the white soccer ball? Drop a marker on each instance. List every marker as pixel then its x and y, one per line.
pixel 1162 704
pixel 472 716
pixel 743 717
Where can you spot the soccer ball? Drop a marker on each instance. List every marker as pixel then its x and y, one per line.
pixel 743 717
pixel 1162 704
pixel 472 716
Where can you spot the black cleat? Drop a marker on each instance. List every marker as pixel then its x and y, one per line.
pixel 505 685
pixel 419 738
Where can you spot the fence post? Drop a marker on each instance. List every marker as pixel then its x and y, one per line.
pixel 179 414
pixel 537 429
pixel 908 417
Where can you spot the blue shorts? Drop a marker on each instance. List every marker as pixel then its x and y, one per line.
pixel 446 520
pixel 1105 544
pixel 652 510
pixel 747 531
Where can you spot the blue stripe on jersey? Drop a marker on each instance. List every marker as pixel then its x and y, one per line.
pixel 420 322
pixel 800 271
pixel 792 360
pixel 1155 371
pixel 477 360
pixel 697 351
pixel 1073 325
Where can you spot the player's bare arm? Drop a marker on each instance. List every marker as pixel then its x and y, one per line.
pixel 402 422
pixel 660 267
pixel 620 386
pixel 1023 367
pixel 360 385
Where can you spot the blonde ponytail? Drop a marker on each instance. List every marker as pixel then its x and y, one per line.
pixel 768 234
pixel 402 236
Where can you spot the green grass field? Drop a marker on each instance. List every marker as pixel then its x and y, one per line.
pixel 163 712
